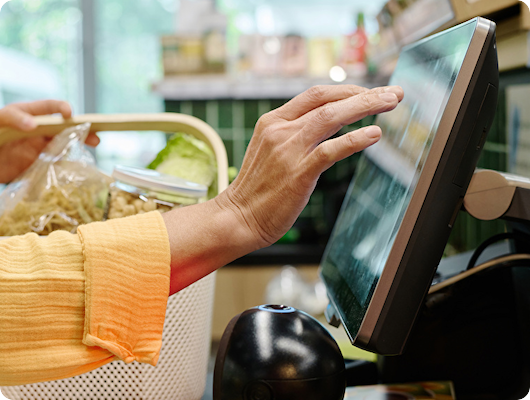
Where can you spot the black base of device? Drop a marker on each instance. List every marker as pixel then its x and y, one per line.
pixel 473 333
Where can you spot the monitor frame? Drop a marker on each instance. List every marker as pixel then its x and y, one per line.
pixel 435 202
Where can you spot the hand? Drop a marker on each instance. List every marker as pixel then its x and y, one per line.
pixel 289 151
pixel 290 148
pixel 17 156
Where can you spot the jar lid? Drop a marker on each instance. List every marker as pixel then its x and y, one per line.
pixel 153 180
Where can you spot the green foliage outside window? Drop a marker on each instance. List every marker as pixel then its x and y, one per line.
pixel 49 30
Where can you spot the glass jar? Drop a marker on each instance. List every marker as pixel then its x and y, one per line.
pixel 140 190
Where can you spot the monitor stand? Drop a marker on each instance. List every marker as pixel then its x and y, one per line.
pixel 475 323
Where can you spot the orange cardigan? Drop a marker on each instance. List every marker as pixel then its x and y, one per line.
pixel 70 303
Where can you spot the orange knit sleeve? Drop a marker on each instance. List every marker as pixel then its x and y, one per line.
pixel 72 303
pixel 127 268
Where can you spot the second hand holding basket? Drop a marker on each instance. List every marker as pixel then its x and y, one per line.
pixel 182 367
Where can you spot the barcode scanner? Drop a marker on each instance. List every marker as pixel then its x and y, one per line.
pixel 275 352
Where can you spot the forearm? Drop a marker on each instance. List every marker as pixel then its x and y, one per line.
pixel 203 238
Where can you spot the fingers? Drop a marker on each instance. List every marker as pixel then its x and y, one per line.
pixel 327 120
pixel 20 115
pixel 15 118
pixel 318 96
pixel 46 107
pixel 18 155
pixel 329 152
pixel 92 140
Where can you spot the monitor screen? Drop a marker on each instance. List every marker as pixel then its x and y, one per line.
pixel 388 174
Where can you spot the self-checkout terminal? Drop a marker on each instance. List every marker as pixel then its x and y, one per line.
pixel 458 320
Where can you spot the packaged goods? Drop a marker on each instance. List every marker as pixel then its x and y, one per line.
pixel 139 190
pixel 61 190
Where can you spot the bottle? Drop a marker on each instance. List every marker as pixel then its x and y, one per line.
pixel 354 60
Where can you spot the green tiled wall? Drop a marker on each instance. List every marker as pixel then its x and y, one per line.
pixel 234 120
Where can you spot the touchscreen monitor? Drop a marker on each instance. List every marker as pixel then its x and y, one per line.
pixel 400 206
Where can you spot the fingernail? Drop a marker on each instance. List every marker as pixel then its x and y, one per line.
pixel 388 97
pixel 66 110
pixel 393 89
pixel 29 123
pixel 372 132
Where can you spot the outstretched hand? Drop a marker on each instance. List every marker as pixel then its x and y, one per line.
pixel 290 150
pixel 17 156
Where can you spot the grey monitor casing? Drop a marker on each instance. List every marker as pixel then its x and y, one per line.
pixel 435 202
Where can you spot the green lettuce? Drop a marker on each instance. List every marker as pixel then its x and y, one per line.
pixel 189 158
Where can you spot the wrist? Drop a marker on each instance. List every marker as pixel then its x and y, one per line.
pixel 241 233
pixel 203 238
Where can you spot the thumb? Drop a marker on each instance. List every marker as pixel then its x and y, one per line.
pixel 16 118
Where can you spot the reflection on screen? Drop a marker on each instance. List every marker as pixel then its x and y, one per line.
pixel 376 204
pixel 387 173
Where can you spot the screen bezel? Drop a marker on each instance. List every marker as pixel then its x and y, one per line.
pixel 392 280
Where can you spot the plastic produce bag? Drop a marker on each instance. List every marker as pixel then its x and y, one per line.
pixel 61 190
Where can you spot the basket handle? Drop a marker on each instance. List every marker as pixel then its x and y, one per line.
pixel 165 122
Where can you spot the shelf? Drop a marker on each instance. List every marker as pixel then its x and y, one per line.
pixel 423 18
pixel 514 51
pixel 513 40
pixel 211 87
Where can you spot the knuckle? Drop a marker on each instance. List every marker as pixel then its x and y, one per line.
pixel 355 90
pixel 52 106
pixel 268 138
pixel 351 141
pixel 377 90
pixel 366 102
pixel 323 154
pixel 325 114
pixel 265 121
pixel 316 93
pixel 10 113
pixel 7 109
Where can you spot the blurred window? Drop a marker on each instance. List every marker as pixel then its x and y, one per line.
pixel 127 53
pixel 127 61
pixel 40 51
pixel 42 56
